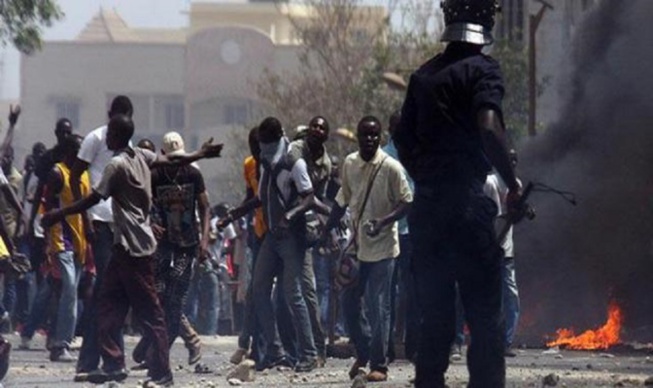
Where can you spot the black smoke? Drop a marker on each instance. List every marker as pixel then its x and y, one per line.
pixel 572 260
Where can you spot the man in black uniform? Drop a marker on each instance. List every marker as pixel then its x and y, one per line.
pixel 451 134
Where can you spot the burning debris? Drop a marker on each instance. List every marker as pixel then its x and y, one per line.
pixel 601 338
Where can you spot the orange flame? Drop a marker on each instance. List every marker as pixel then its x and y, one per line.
pixel 601 338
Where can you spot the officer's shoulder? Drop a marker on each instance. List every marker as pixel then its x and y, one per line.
pixel 487 60
pixel 429 65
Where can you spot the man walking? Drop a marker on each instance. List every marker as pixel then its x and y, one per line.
pixel 451 134
pixel 375 189
pixel 129 280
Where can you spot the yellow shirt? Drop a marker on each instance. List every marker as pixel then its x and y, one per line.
pixel 251 180
pixel 69 234
pixel 390 188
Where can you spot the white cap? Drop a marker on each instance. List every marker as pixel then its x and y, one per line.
pixel 173 144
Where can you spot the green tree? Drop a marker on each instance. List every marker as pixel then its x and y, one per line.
pixel 23 20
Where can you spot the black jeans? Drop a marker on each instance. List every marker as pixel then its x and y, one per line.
pixel 451 226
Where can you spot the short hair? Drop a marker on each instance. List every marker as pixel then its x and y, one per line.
pixel 124 125
pixel 370 119
pixel 121 105
pixel 71 144
pixel 38 146
pixel 147 144
pixel 253 135
pixel 271 125
pixel 63 124
pixel 327 127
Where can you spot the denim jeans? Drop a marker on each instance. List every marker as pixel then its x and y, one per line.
pixel 252 333
pixel 452 227
pixel 25 288
pixel 369 322
pixel 89 354
pixel 510 298
pixel 71 271
pixel 283 253
pixel 203 304
pixel 322 270
pixel 39 312
pixel 404 286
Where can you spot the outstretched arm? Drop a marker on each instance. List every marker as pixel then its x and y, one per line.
pixel 208 150
pixel 14 113
pixel 84 204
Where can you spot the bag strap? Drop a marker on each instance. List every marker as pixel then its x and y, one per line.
pixel 368 191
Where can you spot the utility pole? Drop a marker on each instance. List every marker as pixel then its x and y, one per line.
pixel 534 24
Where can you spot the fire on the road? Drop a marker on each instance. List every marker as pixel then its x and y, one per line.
pixel 601 338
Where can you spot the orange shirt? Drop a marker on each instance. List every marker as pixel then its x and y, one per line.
pixel 251 180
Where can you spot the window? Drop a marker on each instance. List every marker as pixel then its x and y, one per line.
pixel 67 108
pixel 236 114
pixel 169 113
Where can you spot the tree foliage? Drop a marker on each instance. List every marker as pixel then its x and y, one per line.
pixel 22 22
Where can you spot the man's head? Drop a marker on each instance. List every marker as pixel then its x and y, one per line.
pixel 368 134
pixel 63 129
pixel 120 131
pixel 318 131
pixel 29 164
pixel 513 157
pixel 252 140
pixel 394 121
pixel 70 147
pixel 173 144
pixel 121 105
pixel 270 131
pixel 7 160
pixel 146 144
pixel 38 149
pixel 469 21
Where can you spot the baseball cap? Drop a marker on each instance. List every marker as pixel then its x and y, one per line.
pixel 173 144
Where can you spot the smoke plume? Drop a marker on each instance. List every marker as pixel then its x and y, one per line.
pixel 572 260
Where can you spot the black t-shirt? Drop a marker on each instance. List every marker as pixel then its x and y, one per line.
pixel 438 138
pixel 175 192
pixel 47 161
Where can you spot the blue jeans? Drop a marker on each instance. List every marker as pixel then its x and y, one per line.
pixel 452 227
pixel 322 270
pixel 283 253
pixel 510 298
pixel 70 271
pixel 39 312
pixel 89 354
pixel 369 324
pixel 203 304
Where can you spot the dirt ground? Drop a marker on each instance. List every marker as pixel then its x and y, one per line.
pixel 530 369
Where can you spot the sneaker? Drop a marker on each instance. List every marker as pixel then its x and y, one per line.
pixel 306 365
pixel 356 368
pixel 81 376
pixel 100 376
pixel 165 381
pixel 456 353
pixel 141 366
pixel 239 355
pixel 268 363
pixel 25 343
pixel 376 376
pixel 194 353
pixel 61 355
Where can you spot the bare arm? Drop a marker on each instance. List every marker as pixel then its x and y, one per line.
pixel 14 113
pixel 306 202
pixel 208 150
pixel 77 207
pixel 493 137
pixel 10 195
pixel 396 214
pixel 248 206
pixel 335 216
pixel 205 218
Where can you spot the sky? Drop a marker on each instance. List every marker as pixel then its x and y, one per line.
pixel 136 13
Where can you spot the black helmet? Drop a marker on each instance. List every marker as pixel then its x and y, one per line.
pixel 469 21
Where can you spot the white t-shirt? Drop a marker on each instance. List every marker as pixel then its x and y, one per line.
pixel 497 190
pixel 94 151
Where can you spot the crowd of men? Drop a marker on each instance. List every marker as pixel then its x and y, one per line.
pixel 116 227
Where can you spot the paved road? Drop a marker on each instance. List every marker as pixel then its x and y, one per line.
pixel 574 369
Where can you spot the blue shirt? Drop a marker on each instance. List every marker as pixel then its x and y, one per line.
pixel 391 150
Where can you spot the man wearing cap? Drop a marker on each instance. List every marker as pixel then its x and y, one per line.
pixel 450 136
pixel 178 194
